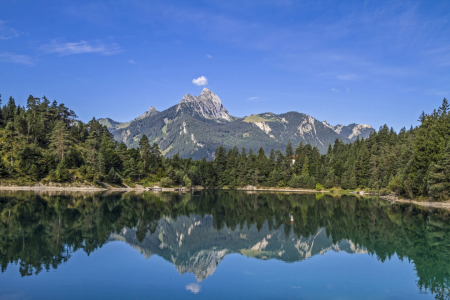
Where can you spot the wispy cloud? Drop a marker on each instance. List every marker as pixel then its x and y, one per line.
pixel 254 98
pixel 131 61
pixel 440 93
pixel 81 47
pixel 7 32
pixel 208 56
pixel 335 90
pixel 347 77
pixel 200 81
pixel 16 58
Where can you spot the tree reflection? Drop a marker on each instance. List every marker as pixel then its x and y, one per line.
pixel 41 231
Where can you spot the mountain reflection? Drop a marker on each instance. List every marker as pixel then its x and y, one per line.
pixel 40 231
pixel 192 244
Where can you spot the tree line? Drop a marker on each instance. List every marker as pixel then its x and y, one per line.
pixel 44 141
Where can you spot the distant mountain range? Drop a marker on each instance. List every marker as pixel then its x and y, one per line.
pixel 193 245
pixel 197 125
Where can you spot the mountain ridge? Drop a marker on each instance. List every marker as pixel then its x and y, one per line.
pixel 197 125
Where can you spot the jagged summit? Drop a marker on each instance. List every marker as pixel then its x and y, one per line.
pixel 198 124
pixel 149 112
pixel 207 104
pixel 351 131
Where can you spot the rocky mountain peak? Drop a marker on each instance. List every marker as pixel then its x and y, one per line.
pixel 351 131
pixel 149 112
pixel 205 91
pixel 207 104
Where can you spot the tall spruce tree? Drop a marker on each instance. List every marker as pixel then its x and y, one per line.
pixel 60 139
pixel 10 138
pixel 438 183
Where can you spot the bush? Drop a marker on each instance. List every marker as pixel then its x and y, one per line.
pixel 166 182
pixel 187 182
pixel 319 187
pixel 61 174
pixel 384 192
pixel 114 177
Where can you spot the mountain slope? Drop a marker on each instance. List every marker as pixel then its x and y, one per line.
pixel 197 125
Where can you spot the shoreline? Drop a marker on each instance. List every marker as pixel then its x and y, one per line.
pixel 394 199
pixel 92 188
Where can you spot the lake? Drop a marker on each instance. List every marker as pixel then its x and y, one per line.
pixel 220 244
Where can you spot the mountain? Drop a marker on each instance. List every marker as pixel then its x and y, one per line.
pixel 193 245
pixel 352 131
pixel 197 125
pixel 111 124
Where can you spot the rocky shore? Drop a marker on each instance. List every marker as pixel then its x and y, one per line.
pixel 395 199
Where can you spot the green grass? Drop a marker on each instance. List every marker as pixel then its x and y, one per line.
pixel 167 150
pixel 255 118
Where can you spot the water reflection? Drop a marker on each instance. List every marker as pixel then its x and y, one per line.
pixel 195 232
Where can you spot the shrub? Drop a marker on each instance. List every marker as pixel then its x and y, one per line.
pixel 166 182
pixel 187 182
pixel 319 187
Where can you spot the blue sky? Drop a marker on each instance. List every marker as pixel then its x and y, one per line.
pixel 371 62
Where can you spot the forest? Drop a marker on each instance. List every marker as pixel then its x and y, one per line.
pixel 44 142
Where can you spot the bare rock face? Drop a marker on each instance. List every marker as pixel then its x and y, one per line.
pixel 207 104
pixel 352 131
pixel 203 264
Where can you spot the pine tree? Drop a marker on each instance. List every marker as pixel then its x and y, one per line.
pixel 438 184
pixel 305 168
pixel 289 150
pixel 144 149
pixel 220 162
pixel 10 137
pixel 9 111
pixel 60 139
pixel 363 166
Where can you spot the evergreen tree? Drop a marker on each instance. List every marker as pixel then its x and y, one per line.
pixel 144 147
pixel 305 168
pixel 60 139
pixel 439 177
pixel 10 137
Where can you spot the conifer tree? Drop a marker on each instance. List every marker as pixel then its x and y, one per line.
pixel 305 168
pixel 144 148
pixel 438 184
pixel 60 139
pixel 10 137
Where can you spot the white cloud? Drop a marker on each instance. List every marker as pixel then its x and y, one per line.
pixel 7 32
pixel 131 61
pixel 347 77
pixel 200 81
pixel 193 287
pixel 335 90
pixel 208 56
pixel 81 47
pixel 348 90
pixel 253 98
pixel 16 58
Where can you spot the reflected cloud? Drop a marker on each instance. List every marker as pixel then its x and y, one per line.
pixel 193 287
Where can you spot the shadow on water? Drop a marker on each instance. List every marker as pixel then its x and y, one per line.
pixel 40 231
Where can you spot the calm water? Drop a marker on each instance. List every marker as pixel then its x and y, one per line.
pixel 220 245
